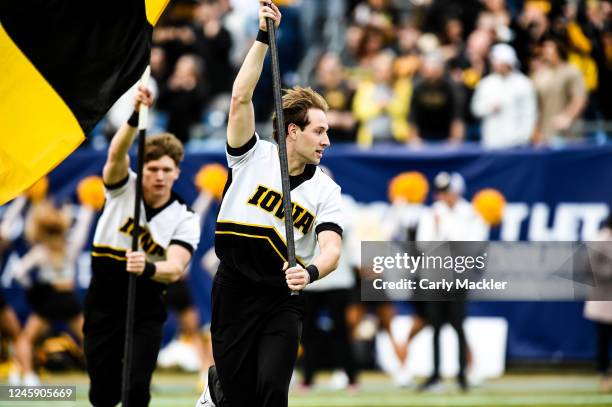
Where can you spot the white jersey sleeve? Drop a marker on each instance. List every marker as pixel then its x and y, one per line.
pixel 330 215
pixel 237 157
pixel 125 185
pixel 187 233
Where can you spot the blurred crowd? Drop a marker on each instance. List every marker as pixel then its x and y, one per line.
pixel 503 73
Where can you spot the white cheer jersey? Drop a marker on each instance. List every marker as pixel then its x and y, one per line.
pixel 250 235
pixel 171 224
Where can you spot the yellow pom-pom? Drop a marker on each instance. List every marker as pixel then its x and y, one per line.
pixel 212 178
pixel 411 187
pixel 91 192
pixel 490 203
pixel 38 191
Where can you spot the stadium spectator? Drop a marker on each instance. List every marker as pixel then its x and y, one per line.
pixel 381 14
pixel 175 33
pixel 506 102
pixel 372 43
pixel 467 69
pixel 436 107
pixel 561 93
pixel 159 67
pixel 381 106
pixel 530 29
pixel 182 98
pixel 436 13
pixel 350 51
pixel 597 27
pixel 452 37
pixel 496 19
pixel 409 60
pixel 359 30
pixel 332 85
pixel 583 32
pixel 213 44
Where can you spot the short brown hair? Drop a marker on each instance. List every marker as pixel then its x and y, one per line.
pixel 163 144
pixel 296 103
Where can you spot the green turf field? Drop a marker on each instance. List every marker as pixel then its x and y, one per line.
pixel 178 390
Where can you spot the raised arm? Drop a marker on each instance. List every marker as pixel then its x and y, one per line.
pixel 11 215
pixel 241 121
pixel 80 232
pixel 118 161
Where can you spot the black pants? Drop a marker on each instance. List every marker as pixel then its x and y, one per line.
pixel 255 335
pixel 452 312
pixel 104 344
pixel 604 337
pixel 335 302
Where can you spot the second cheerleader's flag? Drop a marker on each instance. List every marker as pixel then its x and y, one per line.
pixel 63 63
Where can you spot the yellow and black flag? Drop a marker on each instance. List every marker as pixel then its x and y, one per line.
pixel 63 63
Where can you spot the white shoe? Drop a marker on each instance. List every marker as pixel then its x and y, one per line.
pixel 402 378
pixel 205 400
pixel 14 378
pixel 31 379
pixel 339 380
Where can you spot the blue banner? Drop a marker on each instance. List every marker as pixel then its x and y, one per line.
pixel 559 195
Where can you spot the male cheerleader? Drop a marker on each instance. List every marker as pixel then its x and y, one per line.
pixel 256 322
pixel 169 235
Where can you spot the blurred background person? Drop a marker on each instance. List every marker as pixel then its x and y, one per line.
pixel 599 309
pixel 180 301
pixel 326 325
pixel 452 218
pixel 436 106
pixel 407 194
pixel 333 86
pixel 213 44
pixel 182 98
pixel 51 294
pixel 452 41
pixel 561 94
pixel 326 329
pixel 373 42
pixel 349 55
pixel 382 105
pixel 506 102
pixel 408 60
pixel 467 69
pixel 10 327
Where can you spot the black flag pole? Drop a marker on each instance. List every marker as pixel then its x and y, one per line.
pixel 282 147
pixel 143 114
